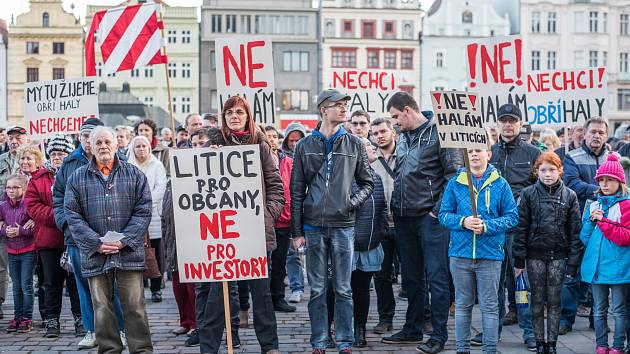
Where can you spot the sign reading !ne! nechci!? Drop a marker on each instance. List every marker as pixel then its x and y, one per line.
pixel 459 120
pixel 219 214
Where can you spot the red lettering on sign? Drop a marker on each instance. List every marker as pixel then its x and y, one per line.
pixel 494 62
pixel 245 66
pixel 221 219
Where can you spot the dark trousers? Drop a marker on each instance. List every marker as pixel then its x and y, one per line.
pixel 545 277
pixel 185 299
pixel 423 245
pixel 243 295
pixel 53 277
pixel 39 271
pixel 278 264
pixel 384 280
pixel 156 284
pixel 211 320
pixel 360 283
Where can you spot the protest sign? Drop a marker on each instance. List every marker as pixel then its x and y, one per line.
pixel 59 106
pixel 565 97
pixel 458 120
pixel 219 214
pixel 370 90
pixel 245 68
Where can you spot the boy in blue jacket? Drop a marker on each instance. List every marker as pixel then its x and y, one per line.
pixel 476 247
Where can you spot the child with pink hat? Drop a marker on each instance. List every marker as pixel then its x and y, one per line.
pixel 606 263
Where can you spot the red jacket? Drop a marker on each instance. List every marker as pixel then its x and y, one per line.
pixel 286 164
pixel 618 232
pixel 38 199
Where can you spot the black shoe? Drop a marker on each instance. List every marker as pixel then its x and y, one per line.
pixel 79 330
pixel 383 327
pixel 510 318
pixel 432 346
pixel 236 340
pixel 541 347
pixel 402 294
pixel 477 340
pixel 52 328
pixel 193 340
pixel 531 345
pixel 564 329
pixel 402 338
pixel 156 296
pixel 359 337
pixel 551 348
pixel 282 306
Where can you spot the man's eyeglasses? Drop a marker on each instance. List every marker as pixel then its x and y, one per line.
pixel 338 105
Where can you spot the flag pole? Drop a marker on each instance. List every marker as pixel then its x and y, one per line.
pixel 228 317
pixel 168 80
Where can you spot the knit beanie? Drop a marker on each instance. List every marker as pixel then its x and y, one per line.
pixel 90 124
pixel 59 142
pixel 611 168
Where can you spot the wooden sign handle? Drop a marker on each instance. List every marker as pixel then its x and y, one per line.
pixel 228 322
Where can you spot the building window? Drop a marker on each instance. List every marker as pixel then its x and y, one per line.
pixel 58 47
pixel 32 47
pixel 135 72
pixel 329 28
pixel 535 22
pixel 274 22
pixel 347 28
pixel 406 59
pixel 148 100
pixel 214 100
pixel 344 57
pixel 467 17
pixel 407 29
pixel 491 33
pixel 623 62
pixel 592 58
pixel 32 74
pixel 368 29
pixel 623 99
pixel 288 24
pixel 216 24
pixel 389 30
pixel 551 22
pixel 302 24
pixel 623 24
pixel 171 36
pixel 174 103
pixel 148 71
pixel 259 23
pixel 99 69
pixel 579 22
pixel 295 100
pixel 59 73
pixel 213 63
pixel 172 70
pixel 295 61
pixel 578 57
pixel 230 23
pixel 535 59
pixel 439 59
pixel 186 104
pixel 551 60
pixel 592 21
pixel 45 20
pixel 246 23
pixel 604 58
pixel 186 35
pixel 389 59
pixel 373 58
pixel 186 70
pixel 467 32
pixel 604 22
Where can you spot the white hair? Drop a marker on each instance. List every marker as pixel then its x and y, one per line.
pixel 166 130
pixel 100 130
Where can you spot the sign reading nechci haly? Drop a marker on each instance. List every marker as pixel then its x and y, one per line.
pixel 59 106
pixel 219 214
pixel 369 90
pixel 458 120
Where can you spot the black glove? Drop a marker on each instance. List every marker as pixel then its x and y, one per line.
pixel 571 271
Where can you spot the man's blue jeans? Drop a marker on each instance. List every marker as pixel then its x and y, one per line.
pixel 423 245
pixel 294 270
pixel 21 268
pixel 574 292
pixel 336 244
pixel 620 311
pixel 83 288
pixel 476 278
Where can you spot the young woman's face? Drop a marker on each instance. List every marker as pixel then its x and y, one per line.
pixel 14 189
pixel 609 186
pixel 548 174
pixel 236 118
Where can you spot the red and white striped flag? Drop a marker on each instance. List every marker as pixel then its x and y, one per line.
pixel 129 38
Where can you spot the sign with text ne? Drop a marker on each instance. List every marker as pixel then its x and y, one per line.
pixel 458 120
pixel 219 214
pixel 245 68
pixel 59 106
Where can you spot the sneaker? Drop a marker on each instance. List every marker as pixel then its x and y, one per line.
pixel 615 351
pixel 123 339
pixel 236 340
pixel 318 351
pixel 402 295
pixel 432 346
pixel 345 351
pixel 193 340
pixel 52 328
pixel 13 326
pixel 25 326
pixel 530 344
pixel 602 350
pixel 273 351
pixel 564 329
pixel 510 318
pixel 477 341
pixel 295 297
pixel 88 341
pixel 79 330
pixel 383 327
pixel 282 306
pixel 156 296
pixel 243 317
pixel 583 311
pixel 180 330
pixel 402 338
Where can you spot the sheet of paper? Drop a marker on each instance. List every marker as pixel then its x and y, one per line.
pixel 112 236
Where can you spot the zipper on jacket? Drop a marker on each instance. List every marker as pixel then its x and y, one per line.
pixel 431 190
pixel 373 217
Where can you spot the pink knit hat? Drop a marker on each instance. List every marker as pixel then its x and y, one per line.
pixel 611 168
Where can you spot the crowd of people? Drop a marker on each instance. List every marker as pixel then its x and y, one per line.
pixel 364 199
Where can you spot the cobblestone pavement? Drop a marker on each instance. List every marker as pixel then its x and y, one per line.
pixel 293 331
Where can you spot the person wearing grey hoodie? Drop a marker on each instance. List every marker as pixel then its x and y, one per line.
pixel 294 132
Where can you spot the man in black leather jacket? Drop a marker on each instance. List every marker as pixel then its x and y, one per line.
pixel 422 170
pixel 323 210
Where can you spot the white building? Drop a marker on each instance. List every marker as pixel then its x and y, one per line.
pixel 564 34
pixel 3 73
pixel 181 30
pixel 447 27
pixel 372 34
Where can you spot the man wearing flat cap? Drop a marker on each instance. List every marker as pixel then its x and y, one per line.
pixel 323 214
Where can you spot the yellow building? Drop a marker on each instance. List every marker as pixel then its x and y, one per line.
pixel 45 43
